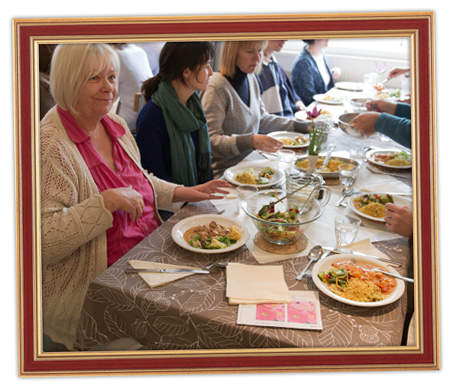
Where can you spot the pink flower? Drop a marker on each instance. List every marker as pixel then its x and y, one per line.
pixel 314 113
pixel 270 312
pixel 378 69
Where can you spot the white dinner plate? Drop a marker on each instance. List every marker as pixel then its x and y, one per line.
pixel 326 263
pixel 399 201
pixel 321 99
pixel 231 173
pixel 178 230
pixel 286 134
pixel 350 86
pixel 301 116
pixel 370 157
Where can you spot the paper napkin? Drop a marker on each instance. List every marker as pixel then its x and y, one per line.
pixel 253 284
pixel 365 246
pixel 153 279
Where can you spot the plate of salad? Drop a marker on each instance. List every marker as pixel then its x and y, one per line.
pixel 372 205
pixel 209 233
pixel 291 140
pixel 395 159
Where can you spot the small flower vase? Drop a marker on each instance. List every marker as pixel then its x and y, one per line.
pixel 312 159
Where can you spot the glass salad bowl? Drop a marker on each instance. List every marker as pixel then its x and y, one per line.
pixel 286 221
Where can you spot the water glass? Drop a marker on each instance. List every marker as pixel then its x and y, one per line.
pixel 348 174
pixel 243 192
pixel 346 229
pixel 370 79
pixel 285 159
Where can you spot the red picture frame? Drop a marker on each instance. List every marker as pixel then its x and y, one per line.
pixel 28 33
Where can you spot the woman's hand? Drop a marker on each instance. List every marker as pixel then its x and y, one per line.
pixel 398 72
pixel 381 106
pixel 300 105
pixel 201 192
pixel 266 143
pixel 124 199
pixel 399 219
pixel 364 123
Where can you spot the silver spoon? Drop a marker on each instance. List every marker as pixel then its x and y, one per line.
pixel 346 191
pixel 323 167
pixel 314 255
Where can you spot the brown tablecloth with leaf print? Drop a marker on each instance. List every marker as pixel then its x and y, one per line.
pixel 193 312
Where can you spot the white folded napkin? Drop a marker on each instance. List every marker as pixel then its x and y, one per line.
pixel 253 284
pixel 365 246
pixel 157 279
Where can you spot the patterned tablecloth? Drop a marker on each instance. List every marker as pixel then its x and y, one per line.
pixel 193 313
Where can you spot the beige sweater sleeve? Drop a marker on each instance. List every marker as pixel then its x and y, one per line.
pixel 72 212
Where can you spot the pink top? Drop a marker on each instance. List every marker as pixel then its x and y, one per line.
pixel 124 234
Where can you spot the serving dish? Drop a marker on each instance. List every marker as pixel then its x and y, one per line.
pixel 231 173
pixel 286 134
pixel 282 233
pixel 328 175
pixel 325 99
pixel 398 200
pixel 326 263
pixel 370 157
pixel 177 233
pixel 344 121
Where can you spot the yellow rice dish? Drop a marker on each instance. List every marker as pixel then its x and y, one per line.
pixel 398 162
pixel 333 164
pixel 376 210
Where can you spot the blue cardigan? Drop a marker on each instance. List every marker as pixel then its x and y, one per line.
pixel 398 126
pixel 307 79
pixel 154 142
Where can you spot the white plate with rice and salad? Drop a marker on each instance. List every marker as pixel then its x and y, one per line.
pixel 328 99
pixel 390 158
pixel 350 279
pixel 259 176
pixel 372 205
pixel 291 140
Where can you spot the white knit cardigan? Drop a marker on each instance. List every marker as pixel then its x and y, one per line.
pixel 74 221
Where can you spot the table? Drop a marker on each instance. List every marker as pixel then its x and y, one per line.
pixel 193 313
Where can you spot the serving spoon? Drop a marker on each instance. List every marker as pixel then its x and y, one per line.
pixel 323 167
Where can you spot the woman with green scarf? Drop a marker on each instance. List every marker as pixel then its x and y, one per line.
pixel 172 132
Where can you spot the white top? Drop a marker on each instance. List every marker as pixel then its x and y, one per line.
pixel 153 50
pixel 134 71
pixel 322 68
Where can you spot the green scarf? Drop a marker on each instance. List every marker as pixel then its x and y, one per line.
pixel 181 121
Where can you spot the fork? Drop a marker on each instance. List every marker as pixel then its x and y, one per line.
pixel 385 173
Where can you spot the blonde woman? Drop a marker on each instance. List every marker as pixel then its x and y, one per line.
pixel 237 119
pixel 97 200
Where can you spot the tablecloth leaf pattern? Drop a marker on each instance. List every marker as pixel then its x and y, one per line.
pixel 193 313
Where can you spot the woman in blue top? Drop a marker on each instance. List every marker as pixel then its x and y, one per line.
pixel 172 132
pixel 310 74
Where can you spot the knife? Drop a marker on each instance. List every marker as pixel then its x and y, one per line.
pixel 349 252
pixel 388 193
pixel 167 270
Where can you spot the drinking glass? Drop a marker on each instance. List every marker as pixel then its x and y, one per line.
pixel 285 159
pixel 346 229
pixel 369 79
pixel 242 192
pixel 348 174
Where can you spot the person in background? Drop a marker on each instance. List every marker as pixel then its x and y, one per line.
pixel 237 119
pixel 46 101
pixel 153 50
pixel 390 119
pixel 135 70
pixel 310 73
pixel 97 202
pixel 398 72
pixel 172 132
pixel 274 92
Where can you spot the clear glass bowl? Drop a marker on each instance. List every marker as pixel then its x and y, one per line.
pixel 278 232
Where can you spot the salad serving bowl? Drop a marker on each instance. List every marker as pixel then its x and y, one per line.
pixel 287 221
